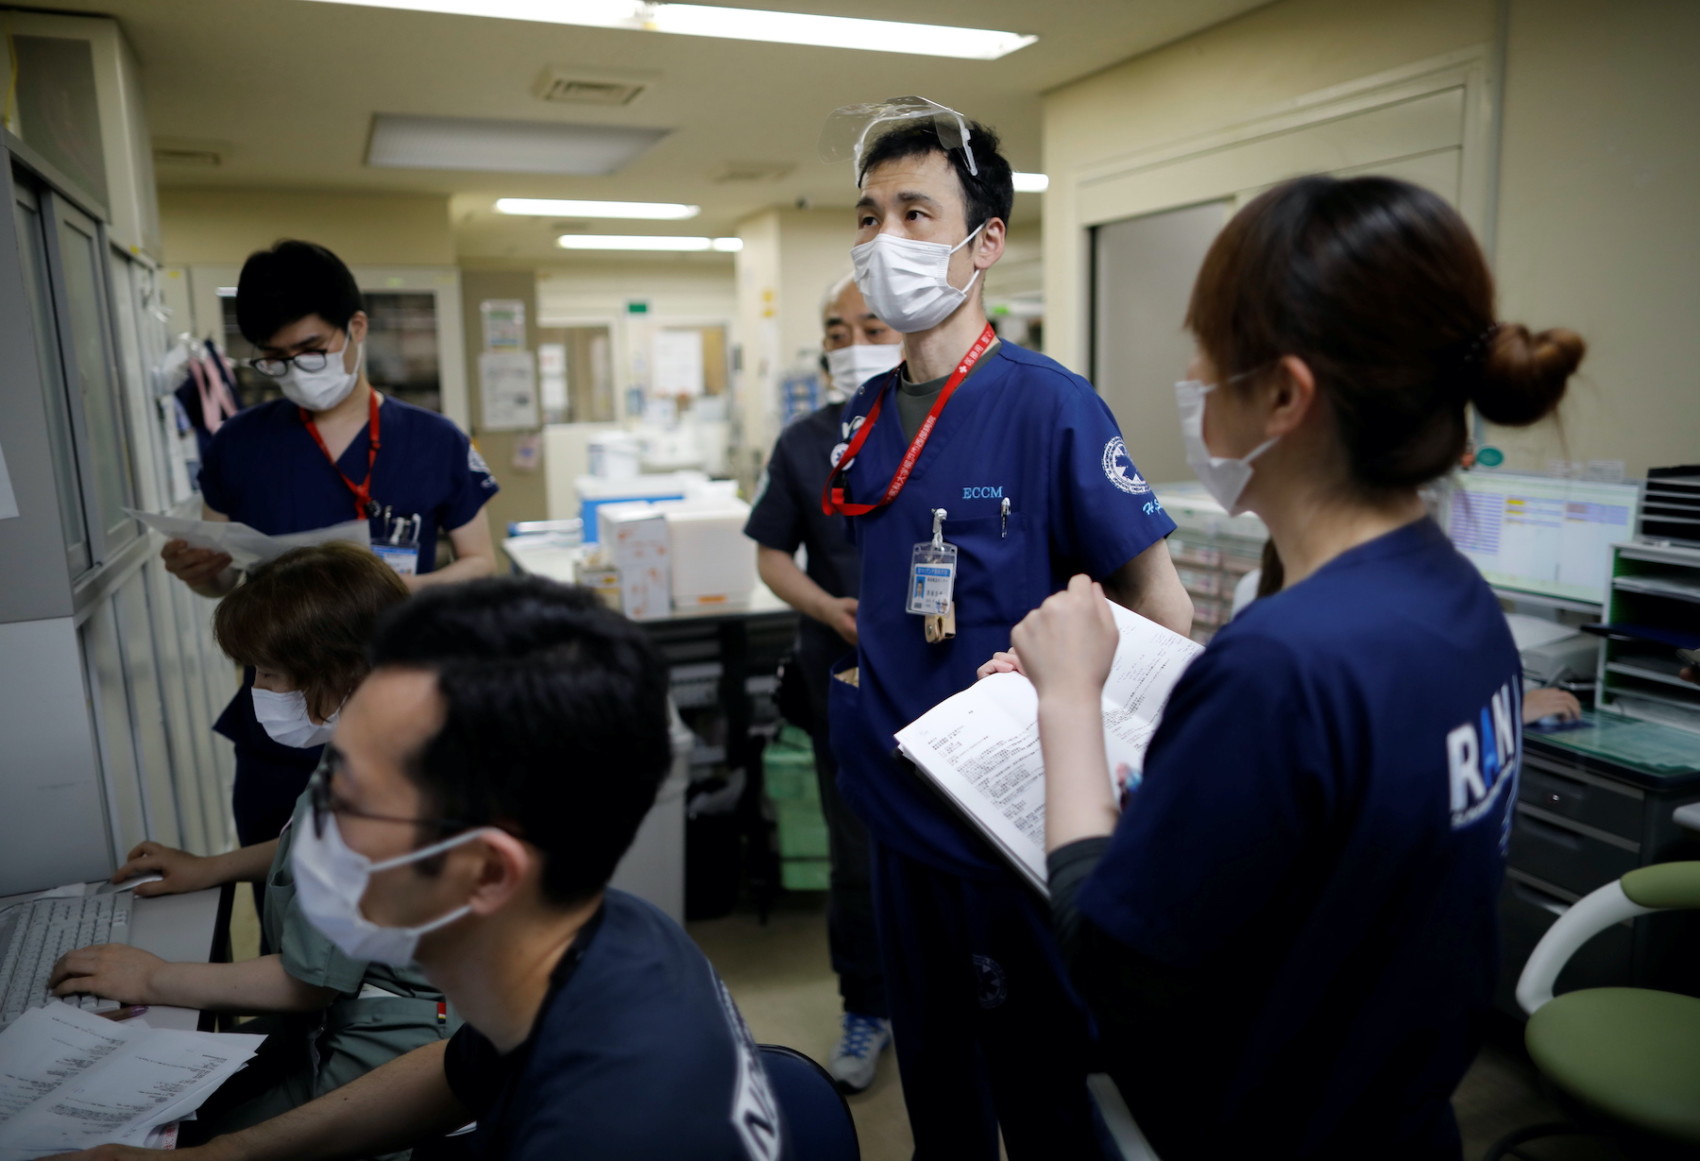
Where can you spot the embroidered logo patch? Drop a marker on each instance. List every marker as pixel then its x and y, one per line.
pixel 1118 466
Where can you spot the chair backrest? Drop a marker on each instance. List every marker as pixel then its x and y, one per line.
pixel 820 1122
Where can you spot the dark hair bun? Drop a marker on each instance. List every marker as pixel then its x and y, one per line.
pixel 1524 375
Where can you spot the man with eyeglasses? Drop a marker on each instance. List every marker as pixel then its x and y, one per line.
pixel 483 783
pixel 333 449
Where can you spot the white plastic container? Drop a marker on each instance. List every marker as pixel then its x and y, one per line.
pixel 616 455
pixel 654 865
pixel 593 492
pixel 714 563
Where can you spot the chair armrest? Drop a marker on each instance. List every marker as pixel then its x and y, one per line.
pixel 1665 886
pixel 1584 919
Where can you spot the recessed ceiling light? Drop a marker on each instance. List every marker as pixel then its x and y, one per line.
pixel 735 24
pixel 647 242
pixel 1031 182
pixel 403 141
pixel 552 208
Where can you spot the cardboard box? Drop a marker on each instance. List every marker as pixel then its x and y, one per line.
pixel 640 550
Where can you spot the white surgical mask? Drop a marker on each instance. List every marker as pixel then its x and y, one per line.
pixel 1224 477
pixel 907 282
pixel 852 366
pixel 331 879
pixel 285 718
pixel 323 389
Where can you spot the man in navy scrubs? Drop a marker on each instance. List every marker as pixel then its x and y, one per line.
pixel 481 787
pixel 787 514
pixel 1000 466
pixel 333 449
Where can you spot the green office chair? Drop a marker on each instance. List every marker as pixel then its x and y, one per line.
pixel 1626 1061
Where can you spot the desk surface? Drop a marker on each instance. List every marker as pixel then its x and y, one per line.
pixel 173 927
pixel 1646 753
pixel 556 563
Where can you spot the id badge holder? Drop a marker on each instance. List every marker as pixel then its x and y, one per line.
pixel 400 549
pixel 932 579
pixel 932 583
pixel 404 558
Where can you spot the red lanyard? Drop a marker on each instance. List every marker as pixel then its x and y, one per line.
pixel 832 502
pixel 364 508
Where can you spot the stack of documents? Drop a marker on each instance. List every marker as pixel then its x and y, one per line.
pixel 247 546
pixel 980 748
pixel 71 1080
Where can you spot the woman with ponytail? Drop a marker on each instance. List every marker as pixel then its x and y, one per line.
pixel 1288 932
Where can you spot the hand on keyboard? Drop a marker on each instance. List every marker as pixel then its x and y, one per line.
pixel 181 871
pixel 117 971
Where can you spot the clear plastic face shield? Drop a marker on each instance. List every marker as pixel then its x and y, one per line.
pixel 849 130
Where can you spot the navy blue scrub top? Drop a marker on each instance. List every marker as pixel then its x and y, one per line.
pixel 637 1053
pixel 787 513
pixel 1319 840
pixel 263 469
pixel 1021 429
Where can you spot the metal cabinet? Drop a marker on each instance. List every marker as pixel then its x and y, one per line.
pixel 1582 821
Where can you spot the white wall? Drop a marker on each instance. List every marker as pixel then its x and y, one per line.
pixel 789 260
pixel 674 288
pixel 1591 224
pixel 1598 228
pixel 1271 60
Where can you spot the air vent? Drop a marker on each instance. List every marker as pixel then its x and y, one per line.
pixel 749 171
pixel 177 151
pixel 564 85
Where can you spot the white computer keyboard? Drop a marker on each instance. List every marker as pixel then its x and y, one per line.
pixel 34 935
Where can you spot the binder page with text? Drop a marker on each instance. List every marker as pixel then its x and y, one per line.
pixel 981 746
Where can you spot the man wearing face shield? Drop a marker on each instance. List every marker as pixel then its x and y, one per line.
pixel 787 514
pixel 333 449
pixel 977 480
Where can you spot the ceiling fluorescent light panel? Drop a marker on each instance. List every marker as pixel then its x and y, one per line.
pixel 670 242
pixel 404 141
pixel 735 24
pixel 556 208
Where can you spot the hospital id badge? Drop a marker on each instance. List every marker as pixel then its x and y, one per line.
pixel 404 558
pixel 932 578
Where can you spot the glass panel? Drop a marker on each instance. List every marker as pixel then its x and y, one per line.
pixel 402 355
pixel 66 485
pixel 576 374
pixel 57 110
pixel 108 450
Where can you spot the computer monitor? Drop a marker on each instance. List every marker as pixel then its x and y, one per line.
pixel 1542 536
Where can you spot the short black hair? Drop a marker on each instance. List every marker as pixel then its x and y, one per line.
pixel 556 721
pixel 289 282
pixel 988 195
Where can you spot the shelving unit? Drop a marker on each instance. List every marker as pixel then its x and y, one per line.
pixel 1212 551
pixel 1656 587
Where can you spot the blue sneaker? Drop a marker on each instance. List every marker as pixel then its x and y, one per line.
pixel 856 1056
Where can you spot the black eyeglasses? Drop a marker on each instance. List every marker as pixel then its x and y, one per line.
pixel 324 804
pixel 309 361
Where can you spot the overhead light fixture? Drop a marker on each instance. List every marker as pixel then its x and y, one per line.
pixel 672 242
pixel 405 141
pixel 734 24
pixel 1031 182
pixel 555 208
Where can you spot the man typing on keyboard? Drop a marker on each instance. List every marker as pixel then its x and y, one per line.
pixel 481 786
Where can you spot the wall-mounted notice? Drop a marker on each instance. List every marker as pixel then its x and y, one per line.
pixel 552 377
pixel 504 324
pixel 678 363
pixel 507 383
